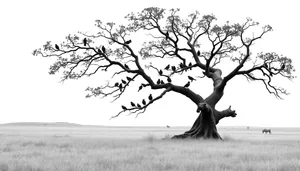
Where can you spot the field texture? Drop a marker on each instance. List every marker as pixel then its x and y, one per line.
pixel 90 148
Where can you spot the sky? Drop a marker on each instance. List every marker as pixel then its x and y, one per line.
pixel 29 94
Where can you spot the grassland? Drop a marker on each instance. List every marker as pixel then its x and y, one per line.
pixel 90 148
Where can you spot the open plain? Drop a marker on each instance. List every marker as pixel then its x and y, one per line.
pixel 95 148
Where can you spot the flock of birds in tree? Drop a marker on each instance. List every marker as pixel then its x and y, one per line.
pixel 159 81
pixel 137 104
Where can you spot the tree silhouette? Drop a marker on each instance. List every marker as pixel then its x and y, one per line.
pixel 179 47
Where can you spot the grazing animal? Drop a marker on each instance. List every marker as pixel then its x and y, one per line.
pixel 84 41
pixel 56 46
pixel 266 131
pixel 168 126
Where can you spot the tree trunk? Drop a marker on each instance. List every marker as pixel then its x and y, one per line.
pixel 204 127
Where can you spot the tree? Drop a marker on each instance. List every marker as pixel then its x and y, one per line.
pixel 189 48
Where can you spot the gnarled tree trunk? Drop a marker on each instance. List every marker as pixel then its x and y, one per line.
pixel 204 127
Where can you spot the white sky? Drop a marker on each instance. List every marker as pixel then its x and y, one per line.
pixel 29 94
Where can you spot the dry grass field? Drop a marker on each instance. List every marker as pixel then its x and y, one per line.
pixel 91 148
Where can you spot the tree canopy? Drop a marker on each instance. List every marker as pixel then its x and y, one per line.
pixel 192 47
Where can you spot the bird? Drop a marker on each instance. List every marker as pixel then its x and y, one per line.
pixel 84 41
pixel 160 72
pixel 266 65
pixel 99 51
pixel 158 81
pixel 138 105
pixel 126 66
pixel 190 64
pixel 132 104
pixel 167 67
pixel 56 46
pixel 198 53
pixel 120 87
pixel 103 49
pixel 169 79
pixel 282 67
pixel 187 84
pixel 167 35
pixel 124 108
pixel 181 65
pixel 162 82
pixel 150 97
pixel 128 42
pixel 140 88
pixel 174 68
pixel 123 81
pixel 191 78
pixel 128 78
pixel 116 84
pixel 144 102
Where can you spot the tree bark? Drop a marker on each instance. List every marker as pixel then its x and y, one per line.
pixel 204 127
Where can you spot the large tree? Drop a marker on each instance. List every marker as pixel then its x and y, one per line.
pixel 176 53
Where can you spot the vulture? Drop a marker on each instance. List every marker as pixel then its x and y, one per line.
pixel 99 51
pixel 128 42
pixel 144 102
pixel 150 97
pixel 103 49
pixel 123 107
pixel 167 67
pixel 160 72
pixel 158 81
pixel 187 85
pixel 123 81
pixel 162 82
pixel 138 105
pixel 116 84
pixel 198 53
pixel 169 79
pixel 132 104
pixel 84 41
pixel 167 35
pixel 191 78
pixel 120 87
pixel 56 46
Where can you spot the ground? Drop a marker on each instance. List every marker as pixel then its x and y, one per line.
pixel 50 147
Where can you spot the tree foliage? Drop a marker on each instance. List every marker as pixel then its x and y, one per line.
pixel 193 47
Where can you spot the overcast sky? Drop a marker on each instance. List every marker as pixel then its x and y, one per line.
pixel 29 94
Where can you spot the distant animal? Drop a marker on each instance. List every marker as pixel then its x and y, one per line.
pixel 266 131
pixel 128 42
pixel 168 126
pixel 56 46
pixel 167 67
pixel 84 41
pixel 187 85
pixel 103 49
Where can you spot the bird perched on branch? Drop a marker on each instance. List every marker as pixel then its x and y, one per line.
pixel 123 81
pixel 191 78
pixel 128 42
pixel 120 87
pixel 84 41
pixel 150 97
pixel 126 66
pixel 169 79
pixel 124 108
pixel 160 72
pixel 103 49
pixel 57 47
pixel 187 84
pixel 167 67
pixel 140 87
pixel 99 51
pixel 158 81
pixel 162 82
pixel 138 105
pixel 128 78
pixel 132 104
pixel 198 53
pixel 174 68
pixel 144 102
pixel 116 84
